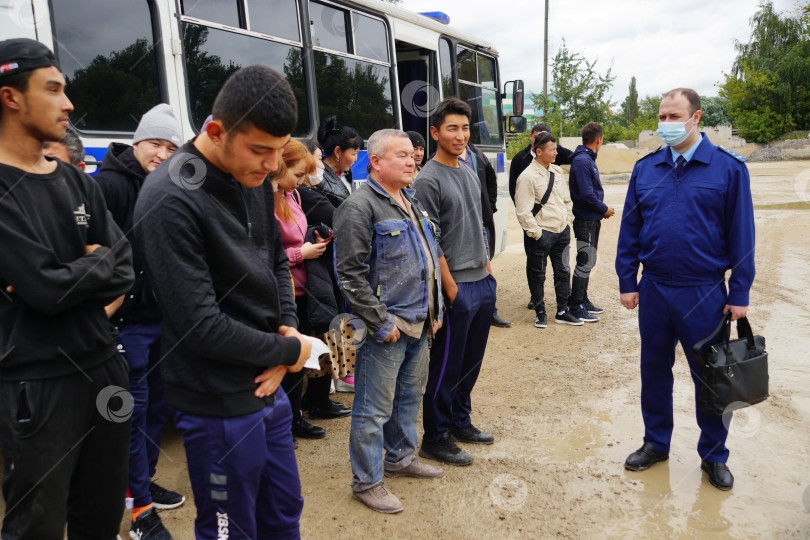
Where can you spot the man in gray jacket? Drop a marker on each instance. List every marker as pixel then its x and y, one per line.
pixel 386 258
pixel 451 195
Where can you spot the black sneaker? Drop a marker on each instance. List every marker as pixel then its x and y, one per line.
pixel 567 318
pixel 472 435
pixel 149 527
pixel 540 321
pixel 582 314
pixel 445 451
pixel 163 498
pixel 530 305
pixel 590 308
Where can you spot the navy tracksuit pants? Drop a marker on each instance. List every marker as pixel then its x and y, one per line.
pixel 666 316
pixel 140 344
pixel 243 473
pixel 455 358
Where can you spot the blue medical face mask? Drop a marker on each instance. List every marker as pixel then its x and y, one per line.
pixel 674 133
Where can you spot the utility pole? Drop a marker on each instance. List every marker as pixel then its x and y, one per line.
pixel 545 65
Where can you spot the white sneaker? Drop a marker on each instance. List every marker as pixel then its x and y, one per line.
pixel 341 386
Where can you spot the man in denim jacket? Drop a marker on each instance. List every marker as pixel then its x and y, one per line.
pixel 386 258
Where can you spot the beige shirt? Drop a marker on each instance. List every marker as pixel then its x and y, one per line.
pixel 531 186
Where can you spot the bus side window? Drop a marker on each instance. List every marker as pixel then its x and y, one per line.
pixel 112 75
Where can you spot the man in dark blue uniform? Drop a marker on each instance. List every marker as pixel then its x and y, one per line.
pixel 688 218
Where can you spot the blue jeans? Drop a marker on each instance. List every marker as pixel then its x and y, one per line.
pixel 389 381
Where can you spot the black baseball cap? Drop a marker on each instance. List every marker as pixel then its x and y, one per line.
pixel 22 54
pixel 416 139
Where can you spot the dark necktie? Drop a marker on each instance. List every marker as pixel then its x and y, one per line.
pixel 679 165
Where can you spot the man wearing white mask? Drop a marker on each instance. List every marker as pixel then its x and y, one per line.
pixel 688 218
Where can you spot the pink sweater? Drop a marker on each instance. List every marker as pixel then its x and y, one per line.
pixel 292 235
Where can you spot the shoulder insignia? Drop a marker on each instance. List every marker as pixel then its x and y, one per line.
pixel 732 154
pixel 650 154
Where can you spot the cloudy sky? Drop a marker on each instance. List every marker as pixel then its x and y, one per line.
pixel 665 45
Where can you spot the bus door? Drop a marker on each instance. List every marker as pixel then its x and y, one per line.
pixel 416 68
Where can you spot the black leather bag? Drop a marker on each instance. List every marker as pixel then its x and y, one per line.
pixel 735 372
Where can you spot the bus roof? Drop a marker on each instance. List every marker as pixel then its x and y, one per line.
pixel 425 22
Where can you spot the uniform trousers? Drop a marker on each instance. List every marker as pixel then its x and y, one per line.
pixel 668 315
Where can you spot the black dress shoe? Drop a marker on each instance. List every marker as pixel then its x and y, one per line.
pixel 305 430
pixel 500 322
pixel 644 458
pixel 334 409
pixel 719 475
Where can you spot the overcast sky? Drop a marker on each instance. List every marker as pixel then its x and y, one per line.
pixel 665 45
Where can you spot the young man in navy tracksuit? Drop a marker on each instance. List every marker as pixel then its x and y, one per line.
pixel 589 211
pixel 213 251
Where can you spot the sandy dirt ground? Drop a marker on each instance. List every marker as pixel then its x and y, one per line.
pixel 563 403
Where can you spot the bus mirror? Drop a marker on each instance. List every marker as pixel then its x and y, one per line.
pixel 516 124
pixel 517 95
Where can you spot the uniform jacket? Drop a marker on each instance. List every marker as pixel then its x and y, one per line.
pixel 120 178
pixel 689 230
pixel 556 215
pixel 214 254
pixel 586 187
pixel 379 259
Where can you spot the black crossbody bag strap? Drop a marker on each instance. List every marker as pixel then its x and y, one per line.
pixel 546 195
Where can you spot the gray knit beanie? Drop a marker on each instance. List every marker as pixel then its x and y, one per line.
pixel 159 122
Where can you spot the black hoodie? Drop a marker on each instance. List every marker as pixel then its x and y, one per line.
pixel 54 324
pixel 120 178
pixel 213 251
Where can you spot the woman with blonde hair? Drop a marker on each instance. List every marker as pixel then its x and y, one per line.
pixel 298 165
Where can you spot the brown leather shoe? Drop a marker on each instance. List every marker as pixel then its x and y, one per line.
pixel 416 469
pixel 379 499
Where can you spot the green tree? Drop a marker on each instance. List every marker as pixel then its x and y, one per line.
pixel 714 111
pixel 578 93
pixel 630 104
pixel 768 89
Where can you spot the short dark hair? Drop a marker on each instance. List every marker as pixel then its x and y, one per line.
pixel 18 81
pixel 591 132
pixel 691 96
pixel 541 128
pixel 73 143
pixel 542 138
pixel 447 106
pixel 331 136
pixel 259 96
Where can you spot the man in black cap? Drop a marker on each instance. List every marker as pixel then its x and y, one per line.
pixel 419 146
pixel 64 407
